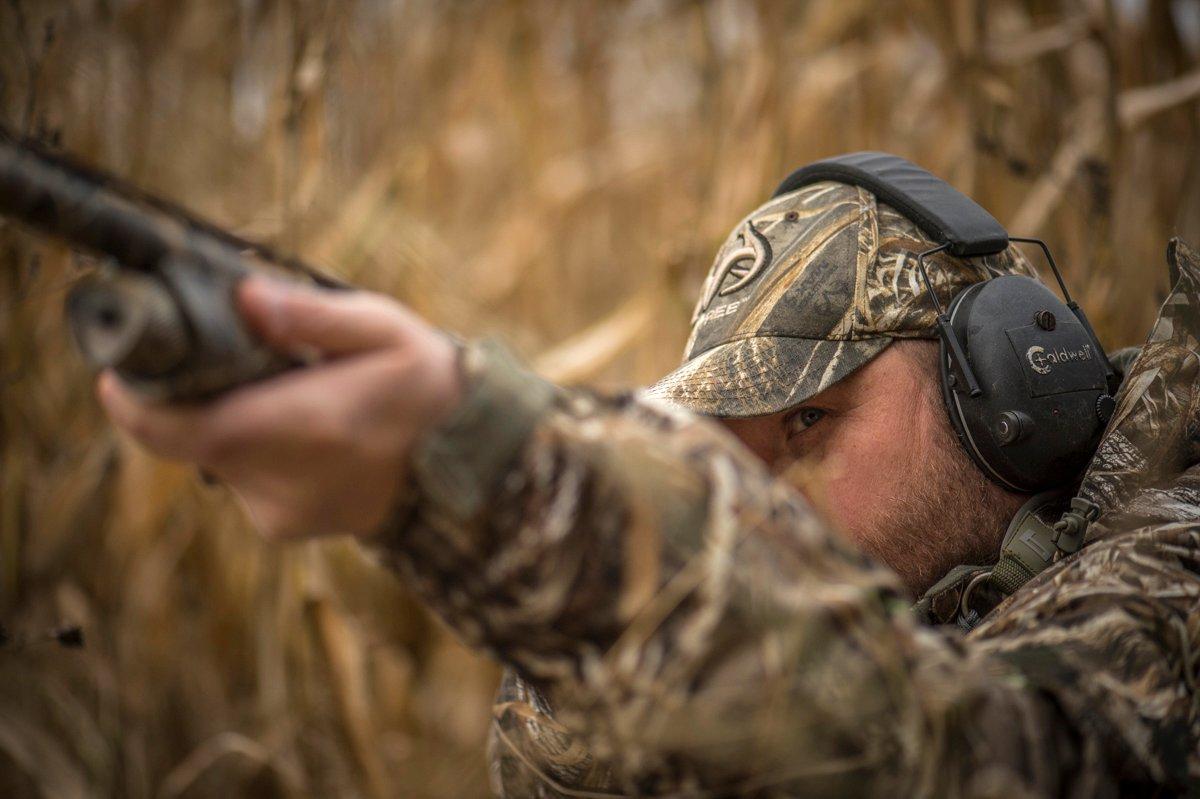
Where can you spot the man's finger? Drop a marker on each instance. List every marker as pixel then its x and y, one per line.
pixel 299 318
pixel 169 430
pixel 257 415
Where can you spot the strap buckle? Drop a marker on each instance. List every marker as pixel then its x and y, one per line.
pixel 1072 527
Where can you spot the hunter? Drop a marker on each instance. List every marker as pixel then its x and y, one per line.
pixel 707 588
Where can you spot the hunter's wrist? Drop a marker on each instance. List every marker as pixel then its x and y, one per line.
pixel 455 467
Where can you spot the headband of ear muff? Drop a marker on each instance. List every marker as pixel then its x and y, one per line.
pixel 945 214
pixel 1025 382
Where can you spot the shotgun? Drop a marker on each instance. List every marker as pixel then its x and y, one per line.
pixel 160 308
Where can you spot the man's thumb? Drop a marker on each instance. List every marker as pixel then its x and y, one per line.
pixel 295 318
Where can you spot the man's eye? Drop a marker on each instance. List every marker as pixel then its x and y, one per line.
pixel 807 417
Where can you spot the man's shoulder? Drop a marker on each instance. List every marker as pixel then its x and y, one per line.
pixel 1113 634
pixel 1156 561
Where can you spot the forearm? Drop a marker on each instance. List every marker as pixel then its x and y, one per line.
pixel 667 595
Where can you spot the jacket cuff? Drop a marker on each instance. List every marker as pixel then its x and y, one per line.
pixel 458 466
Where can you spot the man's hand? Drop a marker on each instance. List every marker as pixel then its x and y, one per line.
pixel 318 450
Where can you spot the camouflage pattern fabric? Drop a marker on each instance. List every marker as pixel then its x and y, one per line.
pixel 806 289
pixel 676 622
pixel 1153 434
pixel 1135 587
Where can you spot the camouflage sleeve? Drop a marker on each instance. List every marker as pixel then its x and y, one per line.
pixel 1152 437
pixel 677 622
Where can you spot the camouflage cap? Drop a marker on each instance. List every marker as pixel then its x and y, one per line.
pixel 808 288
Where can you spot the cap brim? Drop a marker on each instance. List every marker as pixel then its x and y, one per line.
pixel 763 375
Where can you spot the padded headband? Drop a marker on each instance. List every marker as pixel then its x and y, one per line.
pixel 943 212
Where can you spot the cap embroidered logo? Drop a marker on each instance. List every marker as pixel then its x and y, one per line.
pixel 754 246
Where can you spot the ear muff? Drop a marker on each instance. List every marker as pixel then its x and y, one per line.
pixel 1044 386
pixel 1025 381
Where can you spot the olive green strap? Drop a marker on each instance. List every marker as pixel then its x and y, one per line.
pixel 1028 550
pixel 1033 546
pixel 940 603
pixel 1010 573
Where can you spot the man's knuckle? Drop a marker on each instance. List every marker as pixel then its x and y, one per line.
pixel 147 430
pixel 375 303
pixel 137 426
pixel 289 525
pixel 214 446
pixel 316 424
pixel 272 521
pixel 400 367
pixel 386 311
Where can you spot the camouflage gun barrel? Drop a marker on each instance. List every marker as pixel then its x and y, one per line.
pixel 160 310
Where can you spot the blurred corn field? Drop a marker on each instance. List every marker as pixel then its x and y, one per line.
pixel 555 173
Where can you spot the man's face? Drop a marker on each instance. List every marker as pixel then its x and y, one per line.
pixel 875 452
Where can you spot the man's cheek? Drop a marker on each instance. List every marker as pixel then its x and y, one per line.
pixel 857 491
pixel 823 482
pixel 845 504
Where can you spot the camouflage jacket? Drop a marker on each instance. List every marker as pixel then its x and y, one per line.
pixel 677 622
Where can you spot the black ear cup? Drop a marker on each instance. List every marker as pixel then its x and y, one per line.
pixel 1044 400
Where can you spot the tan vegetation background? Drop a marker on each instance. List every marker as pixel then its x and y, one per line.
pixel 558 174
